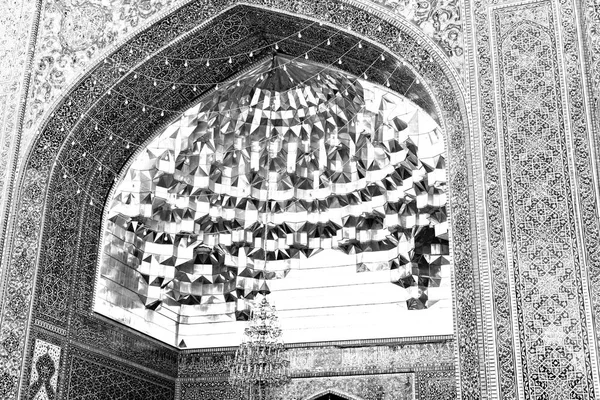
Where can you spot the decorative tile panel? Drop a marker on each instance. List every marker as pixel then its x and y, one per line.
pixel 43 383
pixel 555 351
pixel 337 360
pixel 370 387
pixel 18 21
pixel 208 390
pixel 364 387
pixel 92 377
pixel 435 385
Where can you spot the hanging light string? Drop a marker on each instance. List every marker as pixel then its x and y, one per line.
pixel 250 54
pixel 129 143
pixel 324 68
pixel 258 49
pixel 101 167
pixel 112 134
pixel 144 106
pixel 329 66
pixel 208 196
pixel 200 196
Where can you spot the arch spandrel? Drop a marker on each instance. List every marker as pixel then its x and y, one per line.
pixel 71 131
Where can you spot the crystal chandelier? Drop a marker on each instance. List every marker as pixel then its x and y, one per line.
pixel 260 366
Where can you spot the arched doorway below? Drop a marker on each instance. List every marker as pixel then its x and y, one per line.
pixel 332 394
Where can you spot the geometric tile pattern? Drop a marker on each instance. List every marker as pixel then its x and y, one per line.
pixel 90 378
pixel 555 352
pixel 438 385
pixel 292 159
pixel 44 371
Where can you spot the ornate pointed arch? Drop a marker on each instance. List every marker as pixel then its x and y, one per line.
pixel 144 83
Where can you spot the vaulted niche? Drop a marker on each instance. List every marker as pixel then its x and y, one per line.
pixel 319 188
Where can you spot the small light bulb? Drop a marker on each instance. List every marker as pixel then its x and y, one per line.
pixel 328 42
pixel 126 101
pixel 173 87
pixel 91 203
pixel 417 81
pixel 162 113
pixel 276 46
pixel 185 64
pixel 306 56
pixel 251 54
pixel 78 191
pixel 127 146
pixel 207 63
pixel 154 83
pixel 73 143
pixel 194 88
pixel 365 75
pixel 100 168
pixel 382 57
pixel 64 176
pixel 360 45
pixel 387 83
pixel 230 60
pixel 110 137
pixel 299 35
pixel 340 61
pixel 144 109
pixel 166 61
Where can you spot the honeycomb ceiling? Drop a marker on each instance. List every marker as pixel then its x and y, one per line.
pixel 292 166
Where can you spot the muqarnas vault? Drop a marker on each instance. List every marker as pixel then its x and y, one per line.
pixel 293 165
